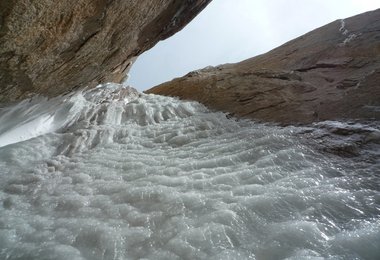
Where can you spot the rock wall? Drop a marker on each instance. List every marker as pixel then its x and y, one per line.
pixel 330 73
pixel 50 47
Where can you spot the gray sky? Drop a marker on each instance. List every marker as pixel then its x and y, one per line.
pixel 234 30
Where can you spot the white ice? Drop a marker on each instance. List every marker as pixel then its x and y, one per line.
pixel 345 32
pixel 109 173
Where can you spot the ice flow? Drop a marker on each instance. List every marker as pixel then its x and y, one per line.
pixel 109 173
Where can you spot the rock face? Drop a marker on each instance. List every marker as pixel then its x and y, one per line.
pixel 50 47
pixel 330 73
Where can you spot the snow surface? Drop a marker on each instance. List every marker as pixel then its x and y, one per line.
pixel 106 175
pixel 345 32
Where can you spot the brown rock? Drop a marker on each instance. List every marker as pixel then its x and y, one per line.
pixel 51 47
pixel 330 73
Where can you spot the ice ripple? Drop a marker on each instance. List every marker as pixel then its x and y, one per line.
pixel 142 176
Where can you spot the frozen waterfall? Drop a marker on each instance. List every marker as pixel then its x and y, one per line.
pixel 109 173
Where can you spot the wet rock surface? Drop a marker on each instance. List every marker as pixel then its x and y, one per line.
pixel 354 140
pixel 49 47
pixel 331 73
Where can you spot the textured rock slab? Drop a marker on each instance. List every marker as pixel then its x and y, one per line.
pixel 50 47
pixel 330 73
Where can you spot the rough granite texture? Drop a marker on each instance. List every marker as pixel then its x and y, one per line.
pixel 330 73
pixel 51 47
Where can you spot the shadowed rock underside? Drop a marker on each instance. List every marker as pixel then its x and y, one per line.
pixel 50 47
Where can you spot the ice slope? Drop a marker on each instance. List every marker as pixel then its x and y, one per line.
pixel 110 173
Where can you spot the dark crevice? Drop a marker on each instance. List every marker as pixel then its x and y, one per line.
pixel 319 66
pixel 263 108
